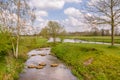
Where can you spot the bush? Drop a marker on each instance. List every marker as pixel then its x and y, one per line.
pixel 5 44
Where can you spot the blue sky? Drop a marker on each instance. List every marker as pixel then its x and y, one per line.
pixel 58 14
pixel 66 12
pixel 69 13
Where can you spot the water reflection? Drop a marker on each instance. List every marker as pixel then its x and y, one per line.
pixel 48 72
pixel 78 41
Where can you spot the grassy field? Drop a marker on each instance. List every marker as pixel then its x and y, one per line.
pixel 90 61
pixel 87 61
pixel 11 67
pixel 96 38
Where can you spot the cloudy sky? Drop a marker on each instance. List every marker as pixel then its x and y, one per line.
pixel 67 12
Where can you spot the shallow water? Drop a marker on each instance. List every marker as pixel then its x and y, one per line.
pixel 79 41
pixel 61 72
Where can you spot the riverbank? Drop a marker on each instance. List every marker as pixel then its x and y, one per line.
pixel 10 67
pixel 87 61
pixel 90 61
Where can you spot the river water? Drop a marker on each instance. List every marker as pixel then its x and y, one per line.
pixel 79 41
pixel 61 72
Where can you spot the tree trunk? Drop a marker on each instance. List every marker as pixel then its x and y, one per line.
pixel 112 24
pixel 17 48
pixel 18 30
pixel 112 35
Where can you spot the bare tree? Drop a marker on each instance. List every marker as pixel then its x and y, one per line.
pixel 105 12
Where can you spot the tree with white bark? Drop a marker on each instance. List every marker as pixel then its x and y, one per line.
pixel 14 14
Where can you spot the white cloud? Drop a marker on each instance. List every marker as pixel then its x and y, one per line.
pixel 76 1
pixel 41 13
pixel 40 19
pixel 47 4
pixel 51 4
pixel 73 24
pixel 72 12
pixel 71 21
pixel 75 20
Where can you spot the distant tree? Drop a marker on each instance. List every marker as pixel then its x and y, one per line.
pixel 95 31
pixel 117 31
pixel 44 32
pixel 54 29
pixel 105 12
pixel 102 32
pixel 107 32
pixel 62 34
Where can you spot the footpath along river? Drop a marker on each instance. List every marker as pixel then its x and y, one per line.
pixel 60 72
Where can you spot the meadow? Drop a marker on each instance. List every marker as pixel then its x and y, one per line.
pixel 106 39
pixel 87 61
pixel 90 61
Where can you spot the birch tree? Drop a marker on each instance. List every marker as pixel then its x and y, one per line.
pixel 14 14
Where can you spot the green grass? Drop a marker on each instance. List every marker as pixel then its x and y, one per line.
pixel 10 67
pixel 104 66
pixel 96 38
pixel 29 43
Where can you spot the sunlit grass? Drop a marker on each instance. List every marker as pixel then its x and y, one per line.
pixel 10 67
pixel 105 64
pixel 96 38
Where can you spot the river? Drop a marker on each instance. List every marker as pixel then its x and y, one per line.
pixel 79 41
pixel 61 72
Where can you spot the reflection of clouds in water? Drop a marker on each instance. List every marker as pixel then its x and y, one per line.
pixel 51 40
pixel 34 60
pixel 48 72
pixel 60 74
pixel 37 52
